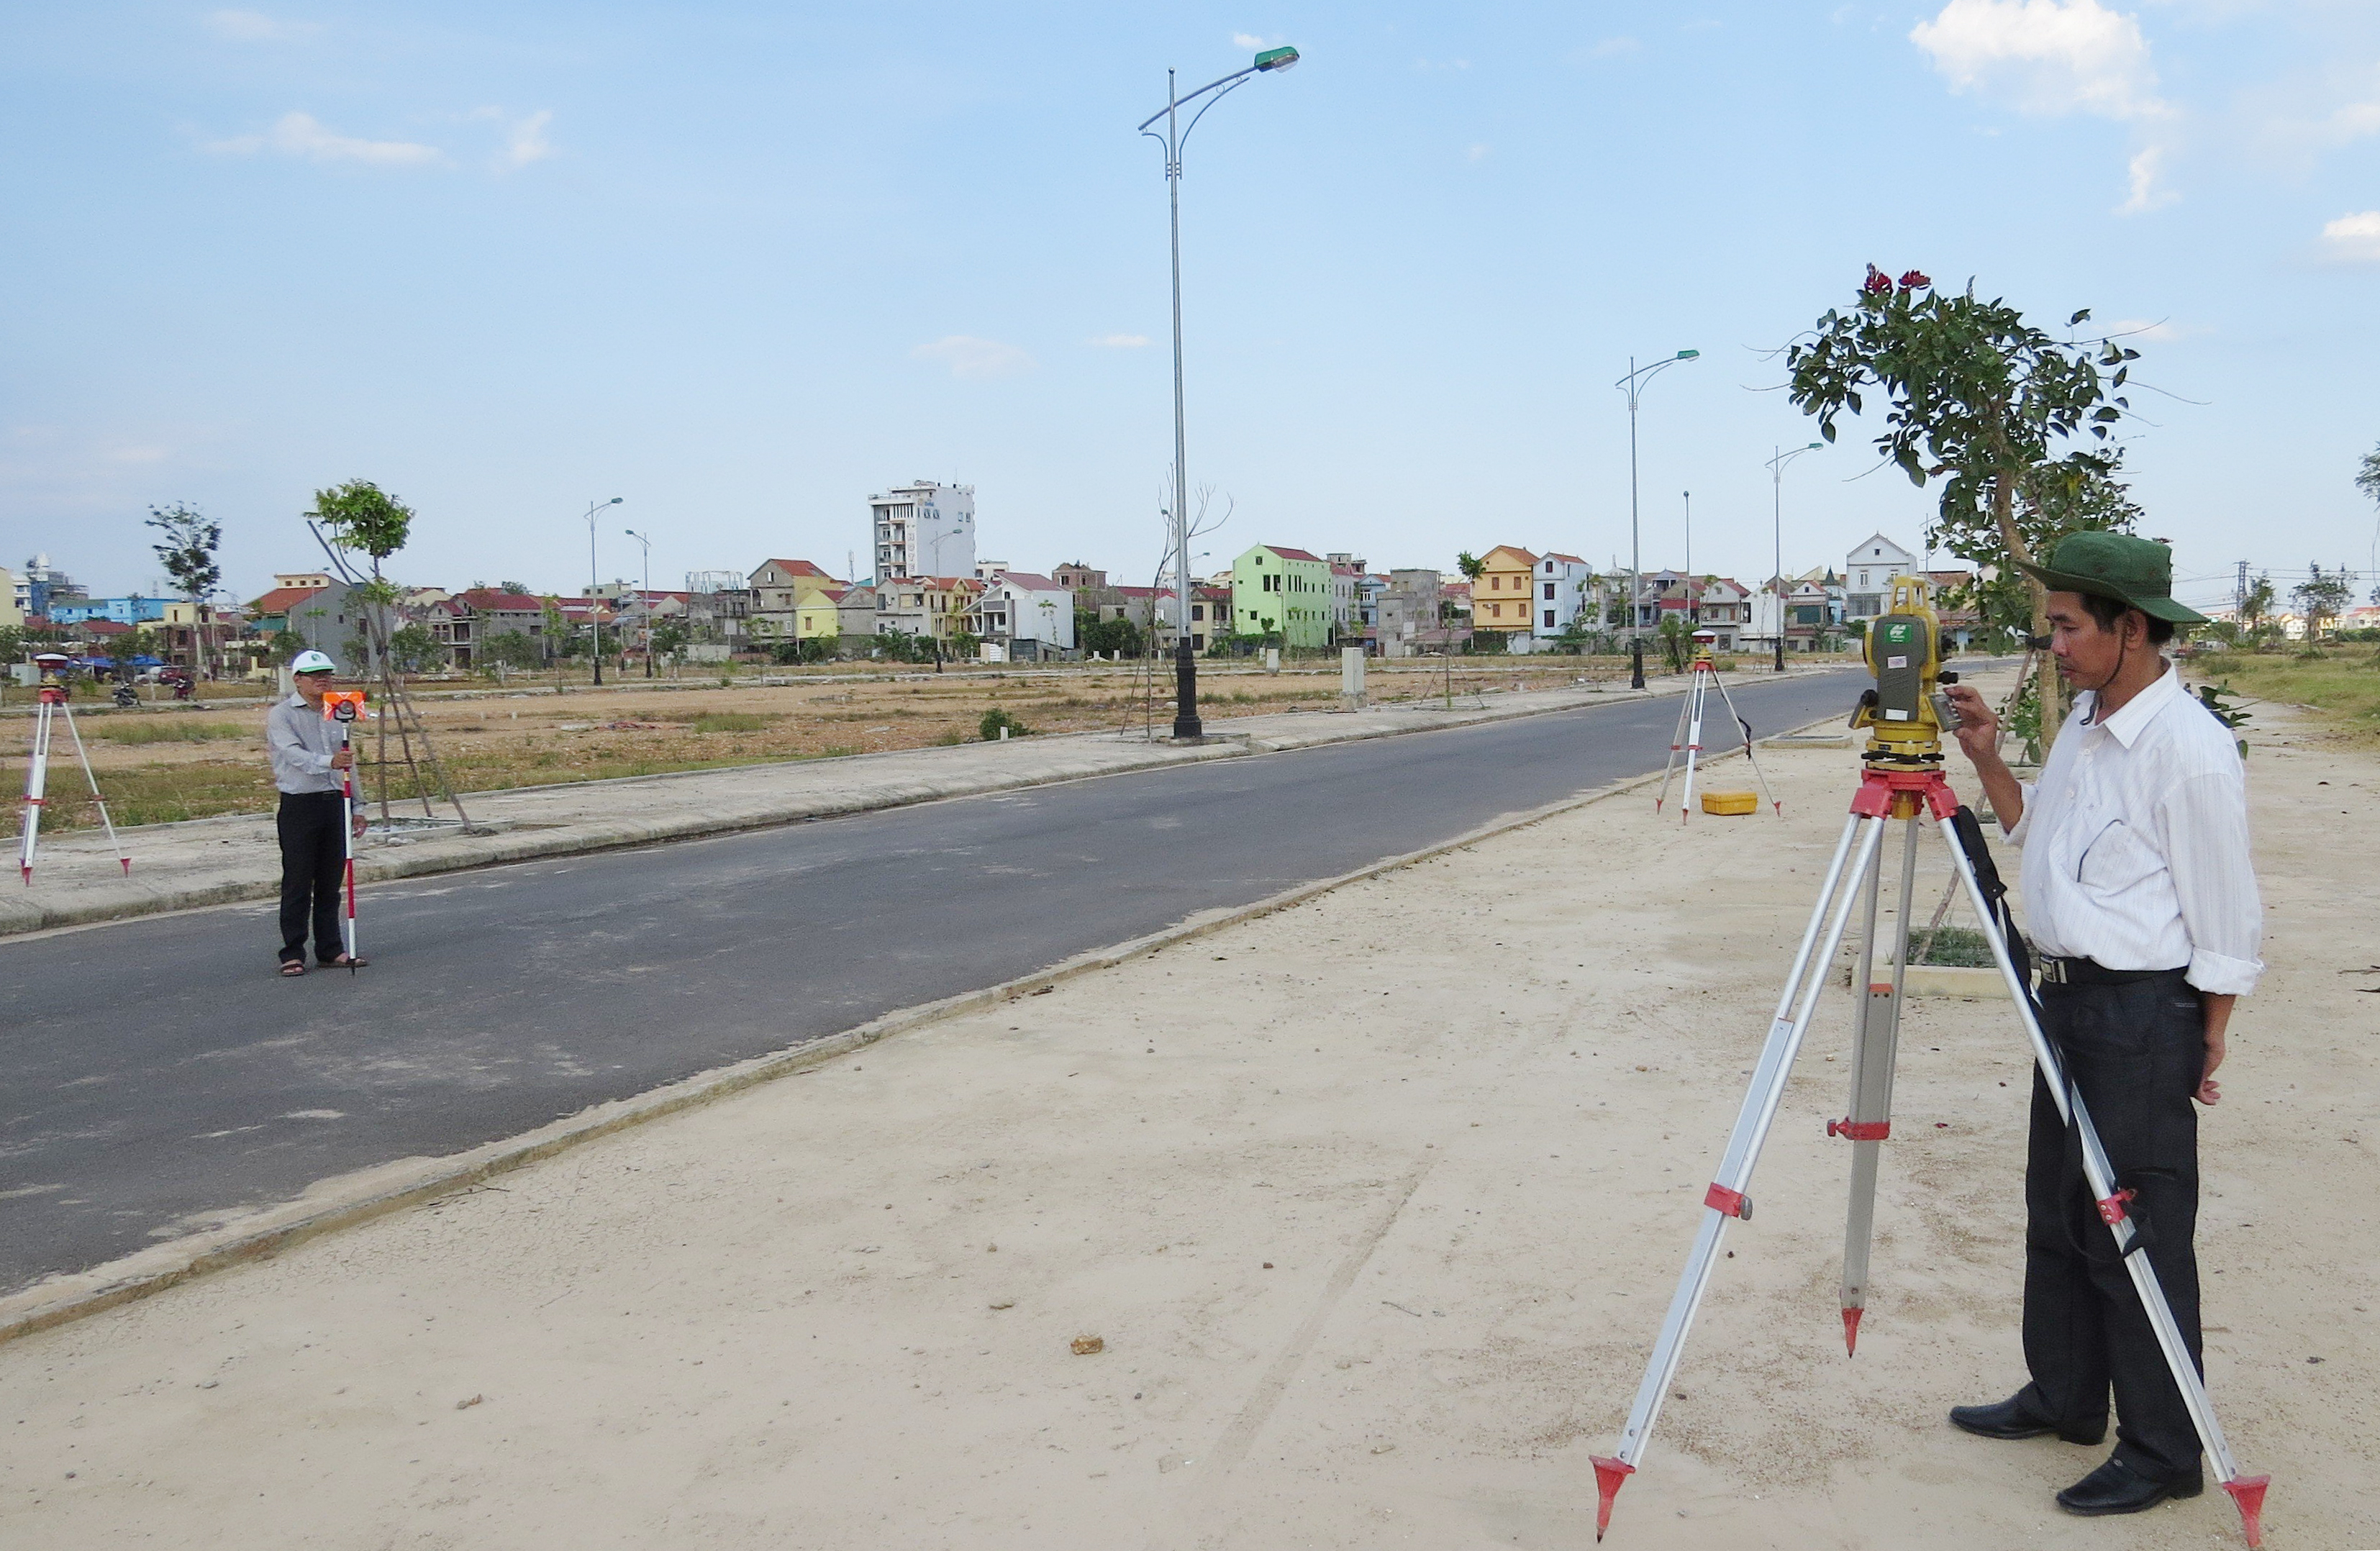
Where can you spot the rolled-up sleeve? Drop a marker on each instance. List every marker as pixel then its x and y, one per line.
pixel 2205 820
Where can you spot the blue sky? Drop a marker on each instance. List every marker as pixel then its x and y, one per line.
pixel 743 266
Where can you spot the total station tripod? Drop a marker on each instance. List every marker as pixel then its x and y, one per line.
pixel 1688 738
pixel 1901 784
pixel 51 709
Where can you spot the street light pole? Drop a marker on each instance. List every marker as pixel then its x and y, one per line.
pixel 645 599
pixel 1185 664
pixel 594 605
pixel 1633 386
pixel 1776 520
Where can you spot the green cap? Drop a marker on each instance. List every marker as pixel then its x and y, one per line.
pixel 2135 572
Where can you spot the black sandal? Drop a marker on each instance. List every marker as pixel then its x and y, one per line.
pixel 292 968
pixel 346 960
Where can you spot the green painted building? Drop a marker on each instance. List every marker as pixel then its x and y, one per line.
pixel 1285 590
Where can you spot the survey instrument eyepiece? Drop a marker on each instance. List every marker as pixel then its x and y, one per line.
pixel 343 705
pixel 1906 714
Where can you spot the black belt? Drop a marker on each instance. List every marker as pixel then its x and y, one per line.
pixel 2090 972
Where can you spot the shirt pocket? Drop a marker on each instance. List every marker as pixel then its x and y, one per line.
pixel 2117 859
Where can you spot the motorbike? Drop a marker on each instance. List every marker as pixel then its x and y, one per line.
pixel 126 696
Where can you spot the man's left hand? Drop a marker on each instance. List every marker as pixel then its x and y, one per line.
pixel 360 821
pixel 2209 1091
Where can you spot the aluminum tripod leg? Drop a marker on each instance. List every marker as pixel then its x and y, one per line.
pixel 1875 1014
pixel 1749 757
pixel 2247 1491
pixel 1677 742
pixel 1726 1197
pixel 1697 699
pixel 37 778
pixel 123 857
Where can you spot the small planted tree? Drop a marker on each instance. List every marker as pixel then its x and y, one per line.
pixel 2321 599
pixel 1983 401
pixel 188 557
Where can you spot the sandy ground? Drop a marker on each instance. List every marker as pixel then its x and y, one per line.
pixel 1374 1204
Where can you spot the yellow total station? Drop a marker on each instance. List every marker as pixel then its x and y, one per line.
pixel 1905 714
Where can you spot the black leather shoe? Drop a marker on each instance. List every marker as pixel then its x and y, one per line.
pixel 2116 1487
pixel 2009 1419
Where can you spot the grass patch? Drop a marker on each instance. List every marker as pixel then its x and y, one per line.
pixel 159 729
pixel 731 721
pixel 1961 947
pixel 2343 683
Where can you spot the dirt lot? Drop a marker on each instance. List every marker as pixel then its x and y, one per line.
pixel 165 765
pixel 1373 1204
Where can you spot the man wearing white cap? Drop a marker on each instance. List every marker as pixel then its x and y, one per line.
pixel 307 757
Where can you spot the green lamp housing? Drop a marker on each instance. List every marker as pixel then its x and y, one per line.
pixel 1276 59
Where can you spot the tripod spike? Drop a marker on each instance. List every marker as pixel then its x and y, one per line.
pixel 2248 1493
pixel 1851 1330
pixel 1610 1475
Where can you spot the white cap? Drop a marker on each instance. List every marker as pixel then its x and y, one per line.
pixel 312 662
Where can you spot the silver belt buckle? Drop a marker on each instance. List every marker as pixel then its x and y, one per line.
pixel 2053 972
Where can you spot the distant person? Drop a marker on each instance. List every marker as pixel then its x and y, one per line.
pixel 307 761
pixel 2140 904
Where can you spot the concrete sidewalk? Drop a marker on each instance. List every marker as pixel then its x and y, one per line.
pixel 215 861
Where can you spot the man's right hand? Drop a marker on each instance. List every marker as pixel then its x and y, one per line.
pixel 342 758
pixel 1978 730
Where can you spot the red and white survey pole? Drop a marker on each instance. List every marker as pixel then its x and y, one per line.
pixel 343 706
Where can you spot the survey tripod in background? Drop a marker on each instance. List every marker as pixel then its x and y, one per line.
pixel 50 708
pixel 1901 784
pixel 1688 738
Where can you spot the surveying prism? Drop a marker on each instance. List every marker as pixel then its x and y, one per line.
pixel 1688 737
pixel 343 706
pixel 1900 782
pixel 50 708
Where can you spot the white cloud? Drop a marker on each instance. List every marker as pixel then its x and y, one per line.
pixel 1118 341
pixel 2145 195
pixel 2354 239
pixel 970 356
pixel 526 142
pixel 255 26
pixel 1248 40
pixel 1610 48
pixel 301 135
pixel 2051 57
pixel 1479 152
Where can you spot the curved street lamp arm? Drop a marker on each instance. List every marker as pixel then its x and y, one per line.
pixel 1184 101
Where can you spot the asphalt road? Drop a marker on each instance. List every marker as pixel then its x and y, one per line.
pixel 155 1072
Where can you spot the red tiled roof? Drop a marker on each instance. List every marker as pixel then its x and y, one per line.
pixel 105 626
pixel 1031 581
pixel 281 599
pixel 1291 554
pixel 1557 554
pixel 799 568
pixel 486 600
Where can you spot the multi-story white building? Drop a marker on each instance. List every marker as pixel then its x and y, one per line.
pixel 1562 585
pixel 1868 571
pixel 1346 595
pixel 1029 616
pixel 925 529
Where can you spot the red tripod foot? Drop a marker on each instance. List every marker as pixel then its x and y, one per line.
pixel 1850 1331
pixel 1609 1474
pixel 2247 1491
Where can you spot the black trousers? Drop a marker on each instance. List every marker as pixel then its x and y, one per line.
pixel 2137 1051
pixel 313 863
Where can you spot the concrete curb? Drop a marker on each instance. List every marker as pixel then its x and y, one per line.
pixel 20 915
pixel 351 1199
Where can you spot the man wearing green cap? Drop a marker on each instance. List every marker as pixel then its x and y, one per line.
pixel 2141 908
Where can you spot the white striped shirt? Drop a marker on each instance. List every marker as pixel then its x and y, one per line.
pixel 2136 843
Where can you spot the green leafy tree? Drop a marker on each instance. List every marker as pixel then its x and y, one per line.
pixel 1470 565
pixel 414 649
pixel 669 638
pixel 2321 599
pixel 2255 609
pixel 188 557
pixel 1980 400
pixel 512 649
pixel 286 645
pixel 360 516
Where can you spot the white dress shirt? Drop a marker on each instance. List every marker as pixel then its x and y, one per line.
pixel 301 739
pixel 2136 842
